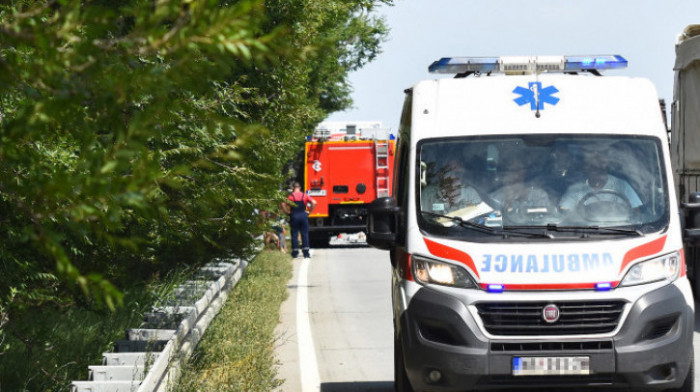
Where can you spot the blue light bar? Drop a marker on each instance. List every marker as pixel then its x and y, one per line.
pixel 526 64
pixel 577 63
pixel 605 286
pixel 495 288
pixel 454 65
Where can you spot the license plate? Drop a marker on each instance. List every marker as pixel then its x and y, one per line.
pixel 317 192
pixel 551 366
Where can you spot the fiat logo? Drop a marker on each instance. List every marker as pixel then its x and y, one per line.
pixel 550 313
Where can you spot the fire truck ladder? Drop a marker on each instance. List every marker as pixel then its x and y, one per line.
pixel 381 165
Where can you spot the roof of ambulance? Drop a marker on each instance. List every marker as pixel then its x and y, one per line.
pixel 505 104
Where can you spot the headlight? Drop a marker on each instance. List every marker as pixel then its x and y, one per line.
pixel 661 268
pixel 436 272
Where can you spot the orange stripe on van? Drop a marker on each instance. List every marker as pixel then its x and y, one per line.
pixel 447 252
pixel 684 267
pixel 648 249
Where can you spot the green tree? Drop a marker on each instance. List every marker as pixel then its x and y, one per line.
pixel 137 135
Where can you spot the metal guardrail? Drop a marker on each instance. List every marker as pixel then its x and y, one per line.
pixel 149 358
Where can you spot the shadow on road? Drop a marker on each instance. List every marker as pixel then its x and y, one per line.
pixel 388 386
pixel 339 245
pixel 349 245
pixel 363 386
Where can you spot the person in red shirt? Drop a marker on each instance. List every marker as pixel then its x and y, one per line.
pixel 298 219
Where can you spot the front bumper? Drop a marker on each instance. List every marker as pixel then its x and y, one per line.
pixel 651 351
pixel 330 230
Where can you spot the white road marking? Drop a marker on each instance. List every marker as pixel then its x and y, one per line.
pixel 310 380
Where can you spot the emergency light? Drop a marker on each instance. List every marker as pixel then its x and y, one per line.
pixel 526 64
pixel 495 288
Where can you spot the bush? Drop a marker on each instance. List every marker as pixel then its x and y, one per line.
pixel 51 346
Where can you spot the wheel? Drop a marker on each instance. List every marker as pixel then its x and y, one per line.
pixel 401 383
pixel 691 259
pixel 620 206
pixel 695 282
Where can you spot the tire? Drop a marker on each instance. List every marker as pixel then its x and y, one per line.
pixel 401 382
pixel 692 260
pixel 693 269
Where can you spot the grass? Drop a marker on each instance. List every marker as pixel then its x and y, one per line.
pixel 49 348
pixel 237 351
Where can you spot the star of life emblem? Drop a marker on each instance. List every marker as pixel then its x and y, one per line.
pixel 536 96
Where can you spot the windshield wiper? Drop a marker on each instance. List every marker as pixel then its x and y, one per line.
pixel 493 230
pixel 597 229
pixel 461 221
pixel 512 229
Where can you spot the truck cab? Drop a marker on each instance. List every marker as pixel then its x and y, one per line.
pixel 346 166
pixel 534 232
pixel 685 143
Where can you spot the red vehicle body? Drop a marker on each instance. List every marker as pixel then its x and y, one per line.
pixel 346 167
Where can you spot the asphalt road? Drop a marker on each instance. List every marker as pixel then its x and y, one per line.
pixel 335 333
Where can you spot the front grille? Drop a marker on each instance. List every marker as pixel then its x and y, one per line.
pixel 596 380
pixel 551 346
pixel 439 332
pixel 525 318
pixel 659 328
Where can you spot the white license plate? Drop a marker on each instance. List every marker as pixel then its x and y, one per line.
pixel 551 366
pixel 318 192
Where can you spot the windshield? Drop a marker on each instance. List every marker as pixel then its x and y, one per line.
pixel 570 184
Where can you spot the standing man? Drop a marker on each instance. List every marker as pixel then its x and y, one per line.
pixel 298 219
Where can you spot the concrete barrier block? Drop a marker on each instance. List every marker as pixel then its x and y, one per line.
pixel 129 359
pixel 105 386
pixel 148 334
pixel 130 346
pixel 116 373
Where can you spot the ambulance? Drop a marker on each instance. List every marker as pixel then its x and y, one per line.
pixel 534 233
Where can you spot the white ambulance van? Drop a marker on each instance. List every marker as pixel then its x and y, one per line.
pixel 534 231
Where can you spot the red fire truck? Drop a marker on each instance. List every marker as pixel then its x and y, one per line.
pixel 346 166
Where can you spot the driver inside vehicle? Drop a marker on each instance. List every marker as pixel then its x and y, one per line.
pixel 451 190
pixel 599 193
pixel 520 201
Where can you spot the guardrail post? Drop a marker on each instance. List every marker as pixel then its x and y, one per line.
pixel 149 358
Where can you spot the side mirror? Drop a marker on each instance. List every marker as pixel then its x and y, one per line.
pixel 382 223
pixel 691 209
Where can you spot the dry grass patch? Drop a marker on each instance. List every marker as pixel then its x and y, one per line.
pixel 237 351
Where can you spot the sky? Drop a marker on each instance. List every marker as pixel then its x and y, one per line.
pixel 422 31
